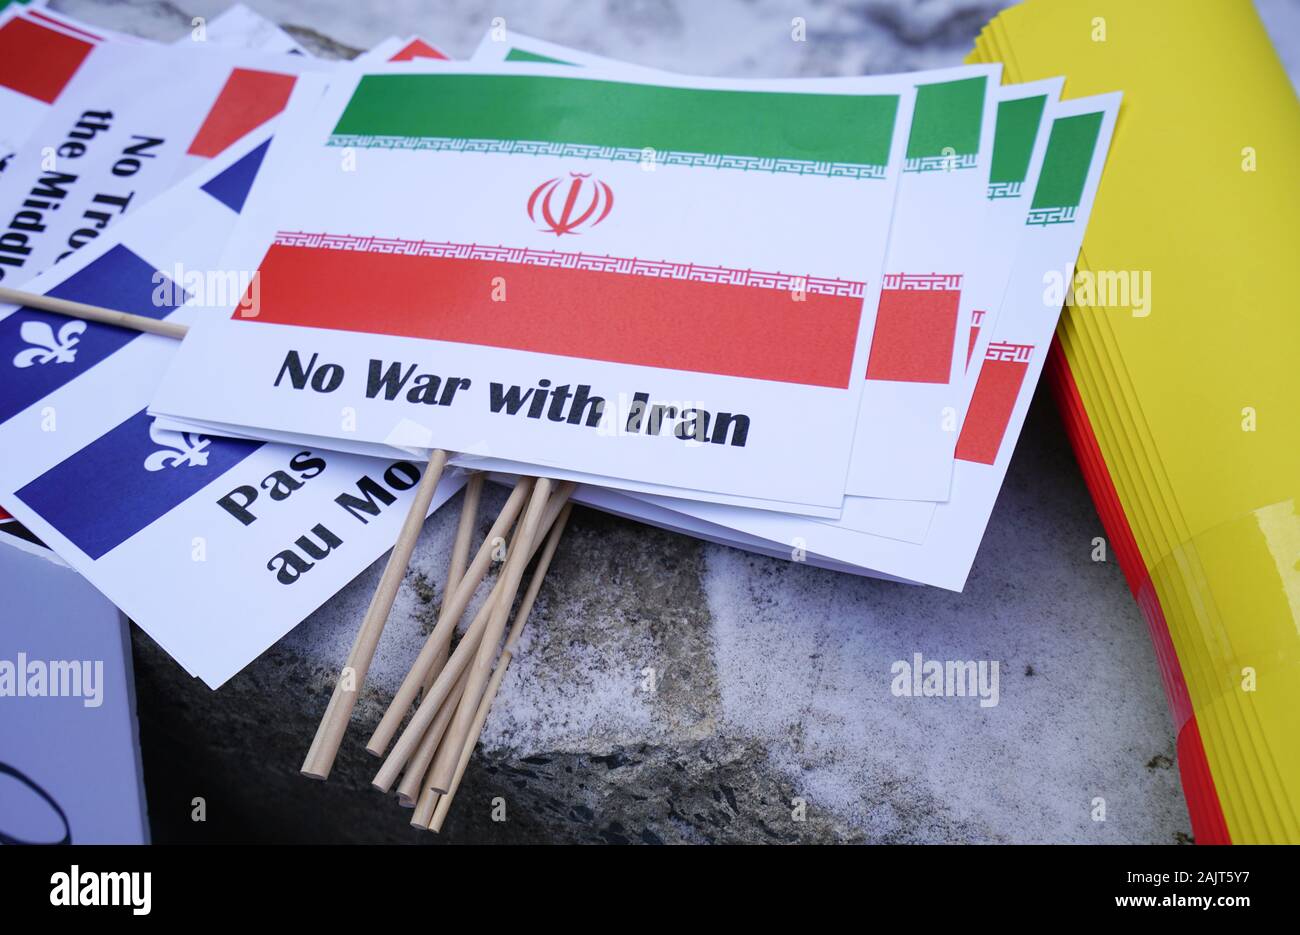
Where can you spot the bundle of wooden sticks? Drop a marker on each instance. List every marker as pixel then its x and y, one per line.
pixel 455 690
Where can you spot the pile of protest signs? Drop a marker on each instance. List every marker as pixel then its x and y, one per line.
pixel 799 317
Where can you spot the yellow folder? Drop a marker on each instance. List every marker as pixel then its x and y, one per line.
pixel 1183 396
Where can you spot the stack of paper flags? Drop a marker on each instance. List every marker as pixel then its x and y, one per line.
pixel 741 309
pixel 800 317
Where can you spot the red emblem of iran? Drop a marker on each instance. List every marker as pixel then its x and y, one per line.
pixel 566 209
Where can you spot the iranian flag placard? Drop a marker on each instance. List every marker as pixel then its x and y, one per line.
pixel 915 371
pixel 1021 133
pixel 655 280
pixel 1053 217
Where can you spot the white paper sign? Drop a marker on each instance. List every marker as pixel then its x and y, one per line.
pixel 109 146
pixel 41 63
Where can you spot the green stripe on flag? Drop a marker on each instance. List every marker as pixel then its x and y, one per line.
pixel 1013 144
pixel 519 55
pixel 828 134
pixel 946 125
pixel 1065 168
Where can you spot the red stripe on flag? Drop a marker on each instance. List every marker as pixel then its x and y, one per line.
pixel 976 317
pixel 990 410
pixel 248 99
pixel 679 324
pixel 914 335
pixel 417 48
pixel 37 61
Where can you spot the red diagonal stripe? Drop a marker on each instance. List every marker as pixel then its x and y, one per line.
pixel 37 61
pixel 990 409
pixel 417 48
pixel 248 99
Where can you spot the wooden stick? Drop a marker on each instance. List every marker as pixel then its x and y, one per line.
pixel 426 797
pixel 520 552
pixel 431 704
pixel 425 807
pixel 460 660
pixel 453 608
pixel 459 554
pixel 444 763
pixel 325 745
pixel 465 530
pixel 416 770
pixel 107 316
pixel 498 674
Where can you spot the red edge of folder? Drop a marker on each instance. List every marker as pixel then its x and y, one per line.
pixel 1203 806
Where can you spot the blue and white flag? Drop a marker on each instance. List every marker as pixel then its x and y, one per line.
pixel 51 350
pixel 126 479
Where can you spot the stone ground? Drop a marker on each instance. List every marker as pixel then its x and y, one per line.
pixel 771 718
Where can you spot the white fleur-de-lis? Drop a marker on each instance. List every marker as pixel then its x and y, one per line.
pixel 47 347
pixel 179 448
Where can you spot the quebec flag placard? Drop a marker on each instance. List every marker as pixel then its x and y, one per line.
pixel 126 479
pixel 53 349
